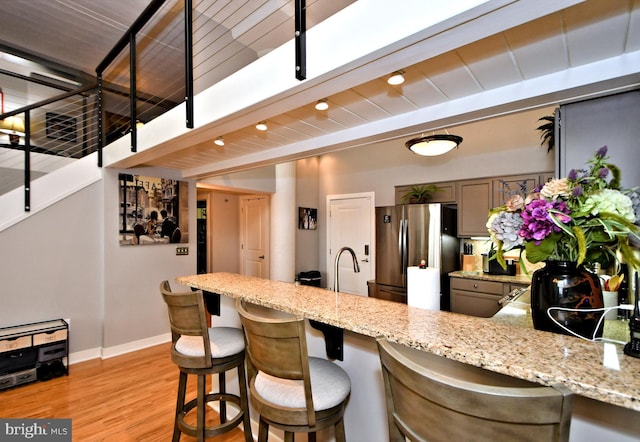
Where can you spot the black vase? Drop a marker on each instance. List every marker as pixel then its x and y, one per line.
pixel 563 284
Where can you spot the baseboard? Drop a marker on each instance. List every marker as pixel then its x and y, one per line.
pixel 128 347
pixel 117 350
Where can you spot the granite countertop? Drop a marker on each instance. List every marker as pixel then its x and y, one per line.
pixel 537 356
pixel 517 279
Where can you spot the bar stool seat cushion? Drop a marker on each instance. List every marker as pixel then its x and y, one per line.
pixel 225 341
pixel 330 385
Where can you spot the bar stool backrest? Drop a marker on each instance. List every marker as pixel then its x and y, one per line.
pixel 277 346
pixel 433 398
pixel 187 316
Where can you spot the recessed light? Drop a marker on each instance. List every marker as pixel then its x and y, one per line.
pixel 219 141
pixel 262 125
pixel 396 78
pixel 322 105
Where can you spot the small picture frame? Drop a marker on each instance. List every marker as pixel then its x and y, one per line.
pixel 61 127
pixel 307 218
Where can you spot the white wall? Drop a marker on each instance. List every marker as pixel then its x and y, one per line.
pixel 52 267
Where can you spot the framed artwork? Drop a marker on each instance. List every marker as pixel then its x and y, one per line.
pixel 60 127
pixel 307 218
pixel 152 210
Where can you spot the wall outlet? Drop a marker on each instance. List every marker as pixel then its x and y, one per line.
pixel 182 250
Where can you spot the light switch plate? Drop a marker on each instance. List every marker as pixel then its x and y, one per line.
pixel 182 250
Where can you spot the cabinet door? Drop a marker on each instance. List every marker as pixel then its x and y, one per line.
pixel 504 187
pixel 474 202
pixel 446 192
pixel 484 305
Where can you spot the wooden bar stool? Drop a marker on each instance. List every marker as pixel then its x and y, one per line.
pixel 290 390
pixel 433 398
pixel 200 350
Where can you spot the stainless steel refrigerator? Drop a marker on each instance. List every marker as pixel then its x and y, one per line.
pixel 407 234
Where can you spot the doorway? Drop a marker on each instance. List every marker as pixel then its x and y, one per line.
pixel 351 224
pixel 254 236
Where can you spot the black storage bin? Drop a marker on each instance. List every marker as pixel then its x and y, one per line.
pixel 16 360
pixel 311 277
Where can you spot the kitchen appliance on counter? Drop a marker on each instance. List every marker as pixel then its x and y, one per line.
pixel 492 266
pixel 407 234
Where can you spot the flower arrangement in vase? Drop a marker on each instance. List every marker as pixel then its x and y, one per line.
pixel 584 218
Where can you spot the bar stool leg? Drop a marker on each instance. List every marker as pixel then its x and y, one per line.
pixel 182 391
pixel 223 389
pixel 202 387
pixel 244 403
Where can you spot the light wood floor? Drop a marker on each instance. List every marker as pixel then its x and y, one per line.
pixel 125 398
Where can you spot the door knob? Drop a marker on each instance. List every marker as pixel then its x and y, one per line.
pixel 261 257
pixel 364 260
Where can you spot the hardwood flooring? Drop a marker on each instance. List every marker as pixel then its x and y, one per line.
pixel 125 398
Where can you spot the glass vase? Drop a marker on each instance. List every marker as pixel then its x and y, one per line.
pixel 564 285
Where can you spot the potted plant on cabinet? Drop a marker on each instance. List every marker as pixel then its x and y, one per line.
pixel 419 194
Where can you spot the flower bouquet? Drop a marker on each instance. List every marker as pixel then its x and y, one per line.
pixel 583 218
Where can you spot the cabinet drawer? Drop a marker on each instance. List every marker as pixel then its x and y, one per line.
pixel 45 338
pixel 25 376
pixel 477 285
pixel 17 360
pixel 53 351
pixel 474 304
pixel 15 344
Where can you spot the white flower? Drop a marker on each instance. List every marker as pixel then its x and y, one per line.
pixel 610 201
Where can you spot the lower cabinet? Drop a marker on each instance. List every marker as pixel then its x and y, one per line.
pixel 33 352
pixel 478 297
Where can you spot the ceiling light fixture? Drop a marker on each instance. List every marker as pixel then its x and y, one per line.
pixel 322 105
pixel 219 141
pixel 262 125
pixel 14 126
pixel 396 78
pixel 433 145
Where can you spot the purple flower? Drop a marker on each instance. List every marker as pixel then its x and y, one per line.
pixel 573 175
pixel 577 191
pixel 603 172
pixel 602 152
pixel 537 222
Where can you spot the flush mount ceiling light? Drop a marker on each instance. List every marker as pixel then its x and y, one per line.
pixel 219 141
pixel 262 125
pixel 432 145
pixel 396 78
pixel 322 105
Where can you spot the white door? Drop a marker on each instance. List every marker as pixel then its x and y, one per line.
pixel 350 221
pixel 254 236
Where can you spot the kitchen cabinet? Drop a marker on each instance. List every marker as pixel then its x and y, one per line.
pixel 504 187
pixel 477 297
pixel 446 192
pixel 474 202
pixel 476 197
pixel 33 352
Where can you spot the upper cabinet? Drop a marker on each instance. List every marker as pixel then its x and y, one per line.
pixel 446 192
pixel 586 126
pixel 477 197
pixel 474 202
pixel 504 187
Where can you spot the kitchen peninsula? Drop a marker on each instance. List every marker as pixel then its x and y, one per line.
pixel 536 356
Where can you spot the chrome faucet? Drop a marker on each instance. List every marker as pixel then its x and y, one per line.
pixel 356 267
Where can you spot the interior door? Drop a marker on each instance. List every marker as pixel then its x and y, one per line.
pixel 254 236
pixel 350 221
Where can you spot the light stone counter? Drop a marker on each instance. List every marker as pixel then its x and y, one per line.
pixel 537 356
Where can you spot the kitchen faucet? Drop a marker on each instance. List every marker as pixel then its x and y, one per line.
pixel 356 267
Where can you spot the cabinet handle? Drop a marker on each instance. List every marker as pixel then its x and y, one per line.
pixel 475 286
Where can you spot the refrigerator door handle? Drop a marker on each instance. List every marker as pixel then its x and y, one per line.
pixel 401 245
pixel 404 231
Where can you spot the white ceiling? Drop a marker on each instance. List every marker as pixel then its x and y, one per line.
pixel 542 60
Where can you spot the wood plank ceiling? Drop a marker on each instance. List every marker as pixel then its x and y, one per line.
pixel 578 35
